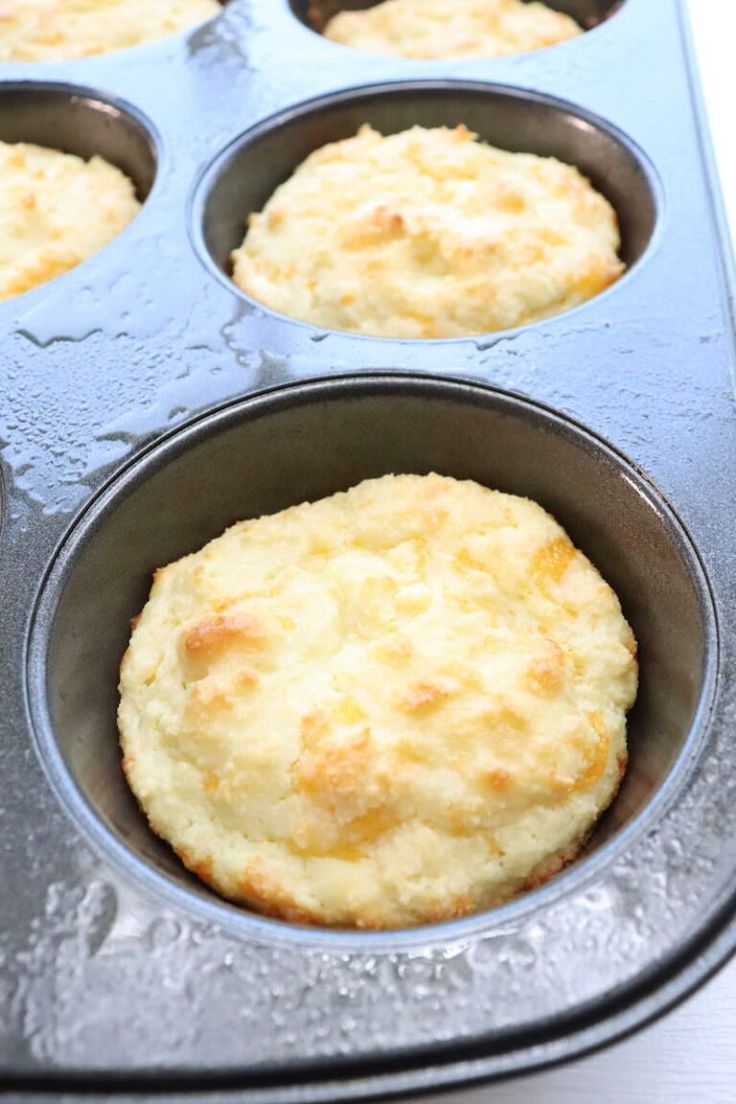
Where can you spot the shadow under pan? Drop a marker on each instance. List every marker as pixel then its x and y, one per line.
pixel 304 441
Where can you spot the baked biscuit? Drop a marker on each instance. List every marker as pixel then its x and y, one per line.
pixel 392 706
pixel 54 30
pixel 55 211
pixel 428 234
pixel 451 28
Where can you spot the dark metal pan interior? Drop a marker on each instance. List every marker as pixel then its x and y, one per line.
pixel 316 13
pixel 77 120
pixel 305 441
pixel 249 171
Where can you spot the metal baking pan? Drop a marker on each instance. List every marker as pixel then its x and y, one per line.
pixel 146 403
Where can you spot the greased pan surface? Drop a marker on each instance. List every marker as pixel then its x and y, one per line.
pixel 121 973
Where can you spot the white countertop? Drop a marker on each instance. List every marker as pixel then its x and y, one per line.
pixel 689 1057
pixel 714 27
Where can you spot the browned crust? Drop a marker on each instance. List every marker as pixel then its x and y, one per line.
pixel 210 635
pixel 259 891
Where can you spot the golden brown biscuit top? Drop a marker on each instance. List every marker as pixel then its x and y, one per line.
pixel 428 234
pixel 54 30
pixel 394 705
pixel 451 28
pixel 55 211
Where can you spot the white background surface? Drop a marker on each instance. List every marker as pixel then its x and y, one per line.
pixel 690 1056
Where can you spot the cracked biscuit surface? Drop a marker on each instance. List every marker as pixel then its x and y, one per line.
pixel 393 706
pixel 451 28
pixel 428 234
pixel 55 30
pixel 56 210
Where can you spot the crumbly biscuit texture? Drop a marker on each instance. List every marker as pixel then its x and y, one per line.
pixel 451 28
pixel 395 705
pixel 428 234
pixel 54 30
pixel 55 211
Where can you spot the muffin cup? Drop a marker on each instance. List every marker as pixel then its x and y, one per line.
pixel 308 441
pixel 245 175
pixel 83 122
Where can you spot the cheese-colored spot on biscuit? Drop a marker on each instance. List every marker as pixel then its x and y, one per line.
pixel 348 711
pixel 246 678
pixel 514 202
pixel 553 559
pixel 592 756
pixel 211 781
pixel 365 829
pixel 410 750
pixel 497 779
pixel 314 726
pixel 423 695
pixel 205 694
pixel 214 633
pixel 596 758
pixel 334 773
pixel 547 671
pixel 357 837
pixel 414 599
pixel 506 723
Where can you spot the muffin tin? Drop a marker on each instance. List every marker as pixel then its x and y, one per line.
pixel 147 403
